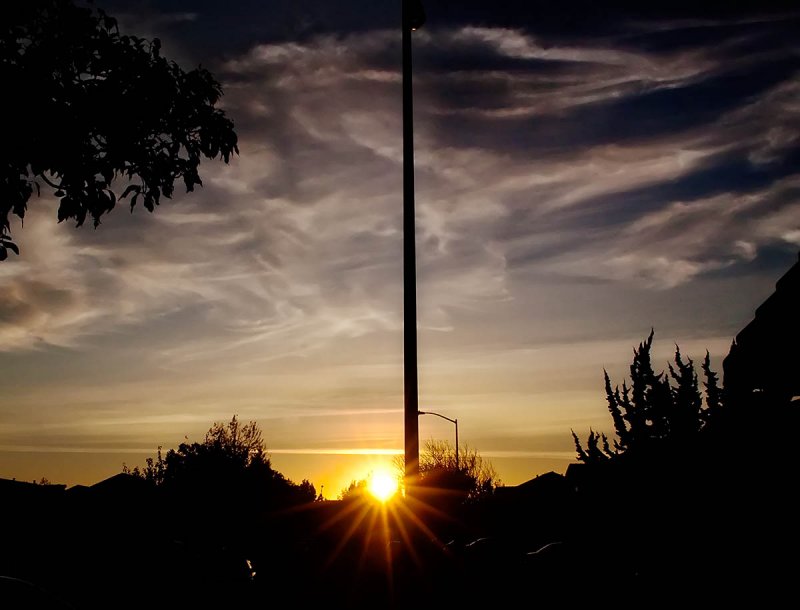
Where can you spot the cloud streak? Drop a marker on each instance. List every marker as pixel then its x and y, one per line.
pixel 297 234
pixel 552 174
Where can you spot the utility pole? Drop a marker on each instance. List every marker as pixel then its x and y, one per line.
pixel 413 18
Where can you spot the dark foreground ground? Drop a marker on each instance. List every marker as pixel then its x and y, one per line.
pixel 712 530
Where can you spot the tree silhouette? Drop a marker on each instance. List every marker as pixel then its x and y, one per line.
pixel 713 391
pixel 472 476
pixel 652 412
pixel 86 105
pixel 229 471
pixel 356 489
pixel 153 472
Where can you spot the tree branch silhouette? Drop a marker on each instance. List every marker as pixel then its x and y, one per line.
pixel 88 106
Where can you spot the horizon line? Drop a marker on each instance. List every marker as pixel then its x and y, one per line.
pixel 499 453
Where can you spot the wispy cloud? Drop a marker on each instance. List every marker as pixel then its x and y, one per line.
pixel 300 236
pixel 552 175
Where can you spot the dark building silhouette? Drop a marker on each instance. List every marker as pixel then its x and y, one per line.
pixel 24 492
pixel 120 485
pixel 542 486
pixel 764 356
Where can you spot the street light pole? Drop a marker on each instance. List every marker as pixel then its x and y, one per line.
pixel 413 18
pixel 452 421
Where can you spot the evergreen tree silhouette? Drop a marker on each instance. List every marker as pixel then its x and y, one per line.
pixel 653 413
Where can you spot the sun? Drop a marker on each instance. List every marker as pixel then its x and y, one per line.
pixel 382 485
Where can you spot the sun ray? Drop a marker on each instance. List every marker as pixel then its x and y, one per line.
pixel 404 533
pixel 367 538
pixel 347 535
pixel 419 523
pixel 387 550
pixel 420 506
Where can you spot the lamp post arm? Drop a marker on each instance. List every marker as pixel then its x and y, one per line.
pixel 452 421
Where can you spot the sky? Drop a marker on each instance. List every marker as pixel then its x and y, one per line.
pixel 583 174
